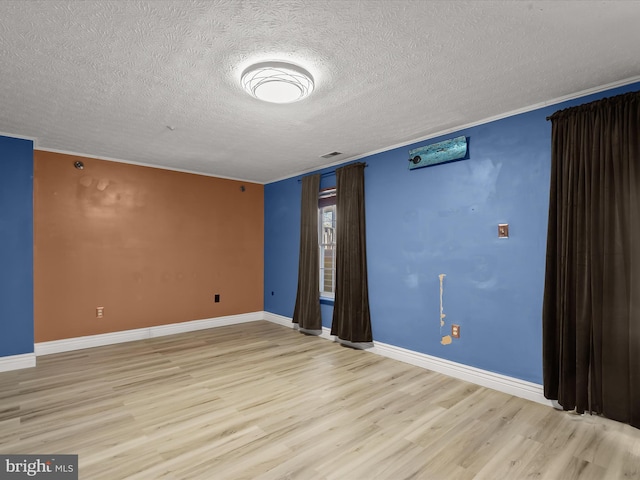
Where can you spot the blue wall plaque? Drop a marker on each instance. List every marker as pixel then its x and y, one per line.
pixel 446 151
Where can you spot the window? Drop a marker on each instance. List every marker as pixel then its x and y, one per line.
pixel 327 241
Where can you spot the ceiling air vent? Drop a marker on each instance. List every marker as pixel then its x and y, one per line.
pixel 332 154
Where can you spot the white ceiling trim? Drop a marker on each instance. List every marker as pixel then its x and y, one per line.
pixel 142 164
pixel 512 113
pixel 21 137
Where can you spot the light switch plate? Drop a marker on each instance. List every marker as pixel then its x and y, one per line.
pixel 503 230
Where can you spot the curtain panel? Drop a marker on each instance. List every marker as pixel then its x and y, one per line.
pixel 351 316
pixel 591 310
pixel 306 312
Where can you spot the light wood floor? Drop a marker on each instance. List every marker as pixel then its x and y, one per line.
pixel 261 401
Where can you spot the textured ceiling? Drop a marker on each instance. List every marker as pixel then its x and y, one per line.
pixel 107 78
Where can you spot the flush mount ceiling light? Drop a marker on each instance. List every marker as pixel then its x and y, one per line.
pixel 277 82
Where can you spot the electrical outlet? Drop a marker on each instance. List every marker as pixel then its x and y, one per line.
pixel 216 298
pixel 99 312
pixel 455 331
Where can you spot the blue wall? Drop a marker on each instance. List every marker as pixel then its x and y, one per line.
pixel 16 246
pixel 443 220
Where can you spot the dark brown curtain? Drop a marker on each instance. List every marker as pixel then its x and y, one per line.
pixel 591 312
pixel 351 317
pixel 306 313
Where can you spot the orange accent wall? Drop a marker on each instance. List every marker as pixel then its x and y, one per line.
pixel 151 246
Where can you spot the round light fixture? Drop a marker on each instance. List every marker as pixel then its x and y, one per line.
pixel 277 82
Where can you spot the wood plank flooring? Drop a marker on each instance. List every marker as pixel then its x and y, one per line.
pixel 261 401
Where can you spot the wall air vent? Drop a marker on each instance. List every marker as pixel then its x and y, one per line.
pixel 332 154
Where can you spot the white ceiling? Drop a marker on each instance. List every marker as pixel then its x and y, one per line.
pixel 107 78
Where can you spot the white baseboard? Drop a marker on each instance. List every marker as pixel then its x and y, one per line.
pixel 512 386
pixel 79 343
pixel 174 328
pixel 288 322
pixel 16 362
pixel 279 319
pixel 502 383
pixel 496 381
pixel 90 341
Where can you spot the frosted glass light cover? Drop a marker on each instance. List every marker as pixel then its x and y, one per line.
pixel 277 82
